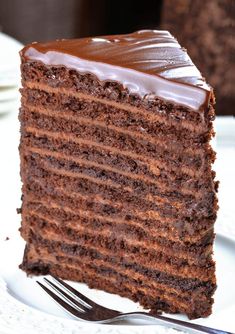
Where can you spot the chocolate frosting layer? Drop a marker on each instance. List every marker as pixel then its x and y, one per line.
pixel 149 63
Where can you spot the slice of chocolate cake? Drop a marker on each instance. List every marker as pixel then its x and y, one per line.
pixel 118 190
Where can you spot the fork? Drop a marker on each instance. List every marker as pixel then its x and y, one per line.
pixel 85 309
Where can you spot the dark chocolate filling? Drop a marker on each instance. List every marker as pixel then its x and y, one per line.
pixel 178 228
pixel 116 242
pixel 177 282
pixel 112 138
pixel 127 164
pixel 133 199
pixel 113 115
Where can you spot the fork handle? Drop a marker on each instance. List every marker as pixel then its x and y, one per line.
pixel 172 323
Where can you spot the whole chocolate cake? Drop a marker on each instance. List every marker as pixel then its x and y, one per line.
pixel 118 190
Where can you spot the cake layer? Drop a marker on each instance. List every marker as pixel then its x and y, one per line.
pixel 86 202
pixel 75 185
pixel 58 79
pixel 30 113
pixel 82 233
pixel 79 232
pixel 209 204
pixel 152 250
pixel 154 278
pixel 146 188
pixel 114 139
pixel 143 158
pixel 148 287
pixel 89 167
pixel 177 230
pixel 152 260
pixel 147 197
pixel 75 108
pixel 107 208
pixel 118 161
pixel 44 262
pixel 51 231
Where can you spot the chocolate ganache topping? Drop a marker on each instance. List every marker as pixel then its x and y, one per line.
pixel 146 62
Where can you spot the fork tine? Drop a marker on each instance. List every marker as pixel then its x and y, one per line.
pixel 78 294
pixel 64 304
pixel 81 306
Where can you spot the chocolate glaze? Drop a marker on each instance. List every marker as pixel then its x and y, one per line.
pixel 149 63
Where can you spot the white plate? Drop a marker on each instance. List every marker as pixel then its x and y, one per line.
pixel 9 61
pixel 10 79
pixel 24 308
pixel 6 106
pixel 8 93
pixel 9 55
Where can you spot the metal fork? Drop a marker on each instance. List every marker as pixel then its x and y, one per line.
pixel 85 309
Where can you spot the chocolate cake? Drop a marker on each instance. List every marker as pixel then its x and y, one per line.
pixel 118 190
